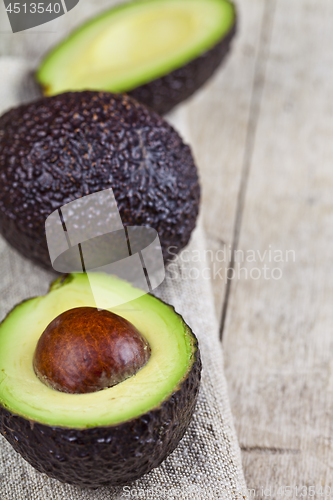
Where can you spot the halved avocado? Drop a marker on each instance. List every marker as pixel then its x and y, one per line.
pixel 112 436
pixel 159 51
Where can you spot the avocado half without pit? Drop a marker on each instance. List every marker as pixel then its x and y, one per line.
pixel 158 51
pixel 96 397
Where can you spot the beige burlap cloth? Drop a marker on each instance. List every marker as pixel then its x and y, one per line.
pixel 206 464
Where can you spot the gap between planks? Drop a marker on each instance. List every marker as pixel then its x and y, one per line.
pixel 256 97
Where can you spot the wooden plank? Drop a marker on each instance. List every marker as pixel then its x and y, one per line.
pixel 278 337
pixel 217 117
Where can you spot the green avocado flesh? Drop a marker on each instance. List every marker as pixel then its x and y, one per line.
pixel 170 340
pixel 135 43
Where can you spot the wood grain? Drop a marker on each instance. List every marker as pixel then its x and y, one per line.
pixel 218 119
pixel 278 335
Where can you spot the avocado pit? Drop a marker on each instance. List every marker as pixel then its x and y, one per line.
pixel 86 350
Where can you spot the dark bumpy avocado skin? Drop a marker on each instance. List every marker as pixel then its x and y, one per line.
pixel 61 148
pixel 103 456
pixel 166 92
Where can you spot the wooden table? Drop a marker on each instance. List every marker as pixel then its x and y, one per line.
pixel 263 138
pixel 262 134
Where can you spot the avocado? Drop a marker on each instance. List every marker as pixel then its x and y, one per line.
pixel 110 436
pixel 158 51
pixel 61 148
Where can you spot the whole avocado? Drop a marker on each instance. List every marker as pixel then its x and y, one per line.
pixel 61 148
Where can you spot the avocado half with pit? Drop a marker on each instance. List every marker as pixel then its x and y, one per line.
pixel 158 51
pixel 61 148
pixel 106 435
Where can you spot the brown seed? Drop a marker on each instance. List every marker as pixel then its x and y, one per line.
pixel 85 350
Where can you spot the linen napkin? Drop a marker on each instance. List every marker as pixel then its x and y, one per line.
pixel 207 462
